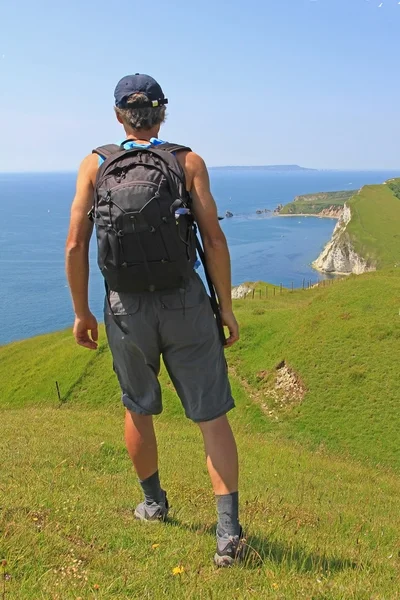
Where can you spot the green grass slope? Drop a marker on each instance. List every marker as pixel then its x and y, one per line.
pixel 320 527
pixel 394 185
pixel 320 476
pixel 313 204
pixel 374 228
pixel 343 342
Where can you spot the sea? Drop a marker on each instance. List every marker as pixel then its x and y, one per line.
pixel 34 209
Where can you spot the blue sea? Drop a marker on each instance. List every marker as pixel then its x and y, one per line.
pixel 34 212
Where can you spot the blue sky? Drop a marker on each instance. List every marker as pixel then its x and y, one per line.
pixel 249 82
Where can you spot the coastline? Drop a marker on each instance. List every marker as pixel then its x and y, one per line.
pixel 308 215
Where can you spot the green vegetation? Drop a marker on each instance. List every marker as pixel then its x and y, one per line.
pixel 320 475
pixel 342 340
pixel 314 204
pixel 374 228
pixel 394 185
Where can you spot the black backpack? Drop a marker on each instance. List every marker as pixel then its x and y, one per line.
pixel 146 234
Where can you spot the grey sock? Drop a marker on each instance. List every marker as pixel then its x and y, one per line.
pixel 152 489
pixel 228 514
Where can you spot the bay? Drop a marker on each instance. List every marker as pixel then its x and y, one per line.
pixel 34 212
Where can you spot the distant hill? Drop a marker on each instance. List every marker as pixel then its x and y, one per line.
pixel 281 168
pixel 322 203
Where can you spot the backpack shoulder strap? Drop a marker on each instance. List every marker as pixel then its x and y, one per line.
pixel 171 148
pixel 107 150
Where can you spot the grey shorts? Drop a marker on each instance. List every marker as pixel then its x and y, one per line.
pixel 178 325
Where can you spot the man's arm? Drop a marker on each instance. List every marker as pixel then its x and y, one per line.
pixel 77 254
pixel 214 241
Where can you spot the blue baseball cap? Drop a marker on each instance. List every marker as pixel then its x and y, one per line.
pixel 139 84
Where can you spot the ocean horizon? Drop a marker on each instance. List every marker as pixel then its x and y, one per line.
pixel 35 208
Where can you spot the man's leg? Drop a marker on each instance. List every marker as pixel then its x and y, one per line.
pixel 141 443
pixel 142 448
pixel 221 453
pixel 222 464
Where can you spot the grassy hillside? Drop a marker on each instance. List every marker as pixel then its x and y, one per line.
pixel 319 454
pixel 313 204
pixel 343 342
pixel 374 228
pixel 394 185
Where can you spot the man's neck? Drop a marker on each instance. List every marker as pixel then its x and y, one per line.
pixel 143 135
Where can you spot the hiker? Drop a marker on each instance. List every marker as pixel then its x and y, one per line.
pixel 146 198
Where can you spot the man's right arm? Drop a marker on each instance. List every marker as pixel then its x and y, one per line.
pixel 214 241
pixel 77 250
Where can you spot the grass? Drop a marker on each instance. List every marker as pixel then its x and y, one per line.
pixel 343 342
pixel 394 185
pixel 375 224
pixel 321 527
pixel 313 204
pixel 320 485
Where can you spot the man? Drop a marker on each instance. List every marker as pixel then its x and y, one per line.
pixel 177 324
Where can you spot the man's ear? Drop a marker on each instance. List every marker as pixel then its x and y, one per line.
pixel 119 118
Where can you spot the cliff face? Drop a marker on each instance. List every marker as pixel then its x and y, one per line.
pixel 333 212
pixel 339 256
pixel 241 291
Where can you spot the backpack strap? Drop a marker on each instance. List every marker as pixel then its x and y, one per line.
pixel 171 148
pixel 107 150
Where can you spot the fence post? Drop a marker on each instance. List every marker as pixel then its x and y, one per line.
pixel 274 290
pixel 304 281
pixel 260 294
pixel 280 289
pixel 254 291
pixel 58 392
pixel 266 291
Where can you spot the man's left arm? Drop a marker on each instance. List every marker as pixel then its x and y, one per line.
pixel 77 254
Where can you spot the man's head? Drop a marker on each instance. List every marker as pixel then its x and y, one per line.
pixel 139 103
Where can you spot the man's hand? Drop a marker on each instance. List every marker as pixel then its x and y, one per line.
pixel 229 320
pixel 82 327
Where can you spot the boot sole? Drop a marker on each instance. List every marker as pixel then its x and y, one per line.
pixel 224 561
pixel 160 519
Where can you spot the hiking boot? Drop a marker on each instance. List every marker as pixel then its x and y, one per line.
pixel 157 511
pixel 230 549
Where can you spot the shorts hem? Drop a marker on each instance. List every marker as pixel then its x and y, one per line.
pixel 133 407
pixel 228 407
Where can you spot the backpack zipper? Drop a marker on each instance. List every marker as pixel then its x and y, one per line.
pixel 132 183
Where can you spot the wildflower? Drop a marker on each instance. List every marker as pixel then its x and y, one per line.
pixel 96 586
pixel 154 546
pixel 275 586
pixel 178 570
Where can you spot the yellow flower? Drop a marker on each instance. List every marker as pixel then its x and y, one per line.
pixel 178 570
pixel 154 546
pixel 275 586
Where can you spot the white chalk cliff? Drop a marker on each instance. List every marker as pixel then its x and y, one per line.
pixel 339 256
pixel 241 291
